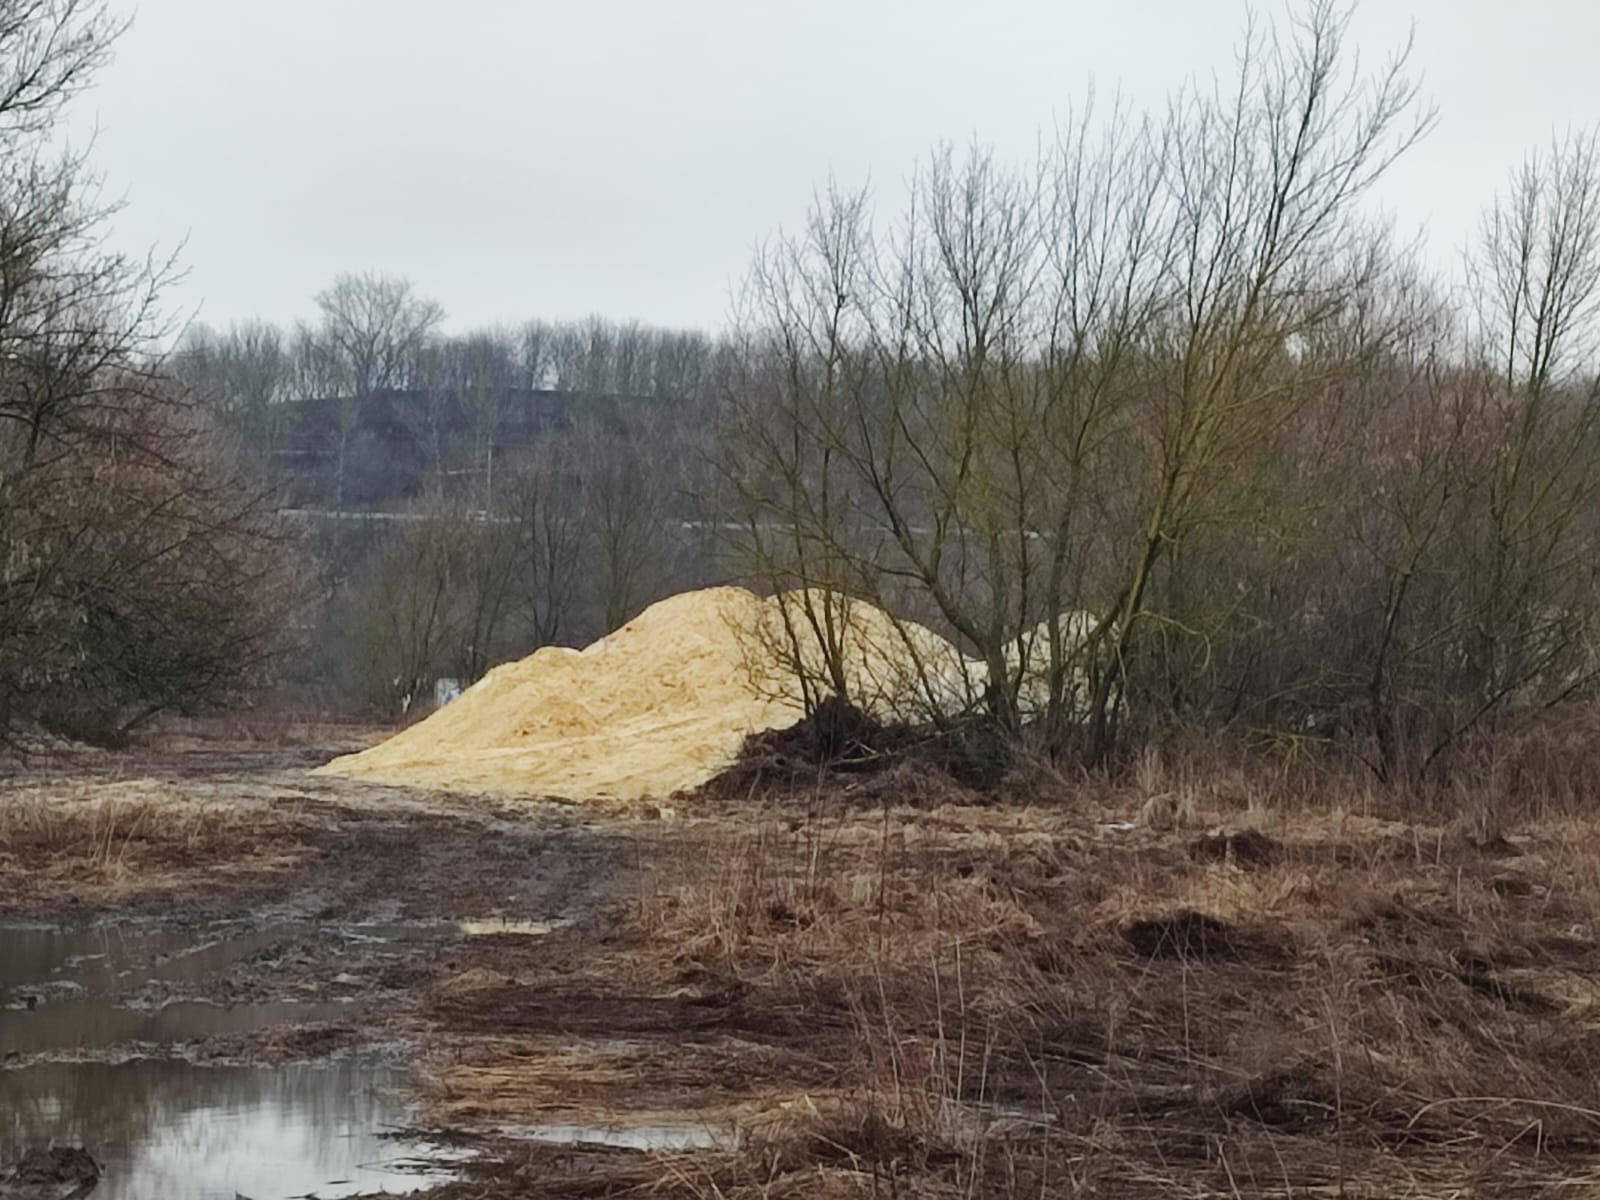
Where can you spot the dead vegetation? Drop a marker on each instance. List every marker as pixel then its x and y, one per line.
pixel 105 840
pixel 985 996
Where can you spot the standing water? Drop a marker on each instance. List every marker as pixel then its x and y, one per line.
pixel 88 1059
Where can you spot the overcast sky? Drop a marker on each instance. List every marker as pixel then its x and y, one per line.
pixel 526 158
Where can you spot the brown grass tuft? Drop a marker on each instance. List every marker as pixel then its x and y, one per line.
pixel 109 839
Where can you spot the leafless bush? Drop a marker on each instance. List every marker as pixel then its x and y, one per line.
pixel 1163 430
pixel 1026 399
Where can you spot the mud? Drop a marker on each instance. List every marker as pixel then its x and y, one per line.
pixel 98 1052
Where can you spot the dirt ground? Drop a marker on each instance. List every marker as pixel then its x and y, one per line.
pixel 889 985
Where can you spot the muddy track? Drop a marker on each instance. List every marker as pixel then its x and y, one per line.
pixel 203 976
pixel 370 852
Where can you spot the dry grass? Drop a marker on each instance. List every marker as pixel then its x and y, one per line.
pixel 1050 999
pixel 267 729
pixel 105 840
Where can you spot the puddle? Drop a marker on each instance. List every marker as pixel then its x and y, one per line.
pixel 685 1136
pixel 502 925
pixel 166 1127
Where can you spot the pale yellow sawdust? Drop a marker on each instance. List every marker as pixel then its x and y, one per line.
pixel 657 707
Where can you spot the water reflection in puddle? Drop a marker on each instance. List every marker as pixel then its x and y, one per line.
pixel 505 926
pixel 686 1136
pixel 167 1128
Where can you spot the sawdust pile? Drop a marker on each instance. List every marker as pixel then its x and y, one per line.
pixel 658 706
pixel 666 702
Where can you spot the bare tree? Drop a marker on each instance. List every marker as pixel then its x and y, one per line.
pixel 1530 559
pixel 404 612
pixel 433 408
pixel 372 326
pixel 453 590
pixel 314 370
pixel 488 369
pixel 138 573
pixel 491 579
pixel 245 373
pixel 545 501
pixel 626 484
pixel 535 355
